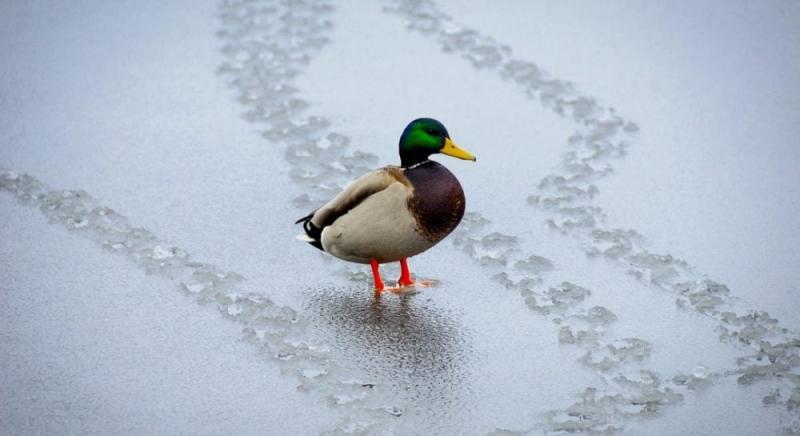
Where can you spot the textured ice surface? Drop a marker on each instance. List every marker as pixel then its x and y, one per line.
pixel 547 315
pixel 91 345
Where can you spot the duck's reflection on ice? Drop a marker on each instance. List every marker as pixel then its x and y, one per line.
pixel 402 340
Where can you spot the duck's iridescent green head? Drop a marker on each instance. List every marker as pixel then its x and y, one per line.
pixel 424 137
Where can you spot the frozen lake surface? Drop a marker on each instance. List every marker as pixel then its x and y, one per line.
pixel 628 263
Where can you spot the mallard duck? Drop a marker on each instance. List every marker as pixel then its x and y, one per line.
pixel 393 213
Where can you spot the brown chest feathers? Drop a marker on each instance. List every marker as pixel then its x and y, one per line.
pixel 438 200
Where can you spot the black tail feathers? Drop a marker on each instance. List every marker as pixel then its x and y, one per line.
pixel 312 231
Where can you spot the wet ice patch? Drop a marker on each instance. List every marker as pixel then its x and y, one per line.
pixel 407 344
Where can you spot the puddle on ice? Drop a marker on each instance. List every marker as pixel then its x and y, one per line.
pixel 398 340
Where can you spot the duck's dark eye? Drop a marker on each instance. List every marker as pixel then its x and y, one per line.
pixel 433 132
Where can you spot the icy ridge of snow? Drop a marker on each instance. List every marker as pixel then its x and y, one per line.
pixel 601 136
pixel 267 43
pixel 630 389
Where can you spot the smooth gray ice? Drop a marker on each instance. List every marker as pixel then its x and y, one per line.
pixel 627 263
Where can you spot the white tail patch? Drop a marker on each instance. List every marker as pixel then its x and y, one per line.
pixel 305 238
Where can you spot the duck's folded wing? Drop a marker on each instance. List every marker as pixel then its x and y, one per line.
pixel 354 194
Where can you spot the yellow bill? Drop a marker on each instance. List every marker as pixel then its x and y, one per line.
pixel 451 149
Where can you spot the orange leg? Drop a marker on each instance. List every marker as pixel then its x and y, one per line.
pixel 376 275
pixel 405 274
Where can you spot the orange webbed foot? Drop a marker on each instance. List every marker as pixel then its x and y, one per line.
pixel 404 285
